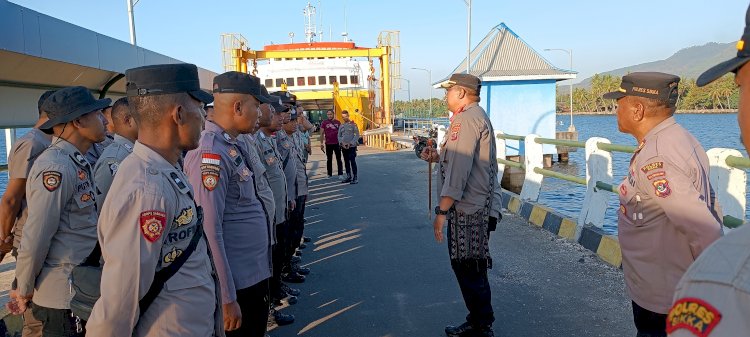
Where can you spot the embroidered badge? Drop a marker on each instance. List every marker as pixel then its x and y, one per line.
pixel 185 217
pixel 113 168
pixel 454 131
pixel 152 224
pixel 227 136
pixel 210 176
pixel 694 315
pixel 661 188
pixel 656 175
pixel 82 174
pixel 232 152
pixel 51 180
pixel 172 255
pixel 270 160
pixel 86 197
pixel 623 189
pixel 652 166
pixel 623 210
pixel 631 178
pixel 178 181
pixel 641 145
pixel 211 158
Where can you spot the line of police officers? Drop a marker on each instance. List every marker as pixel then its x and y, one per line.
pixel 200 232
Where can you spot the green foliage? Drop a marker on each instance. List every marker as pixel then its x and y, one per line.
pixel 420 108
pixel 721 94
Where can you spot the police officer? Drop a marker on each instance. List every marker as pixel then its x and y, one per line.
pixel 235 222
pixel 125 133
pixel 348 140
pixel 60 230
pixel 713 297
pixel 96 150
pixel 297 217
pixel 668 212
pixel 13 209
pixel 469 199
pixel 157 277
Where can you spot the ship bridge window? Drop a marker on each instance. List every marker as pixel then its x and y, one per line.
pixel 322 80
pixel 300 81
pixel 311 80
pixel 354 79
pixel 332 79
pixel 279 82
pixel 269 83
pixel 290 81
pixel 343 79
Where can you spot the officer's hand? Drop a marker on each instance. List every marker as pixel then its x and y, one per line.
pixel 437 226
pixel 232 316
pixel 18 303
pixel 292 205
pixel 430 154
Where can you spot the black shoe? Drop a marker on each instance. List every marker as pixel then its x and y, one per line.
pixel 279 295
pixel 354 181
pixel 293 278
pixel 347 180
pixel 296 259
pixel 301 270
pixel 292 300
pixel 298 254
pixel 306 239
pixel 302 246
pixel 463 330
pixel 289 290
pixel 282 319
pixel 484 332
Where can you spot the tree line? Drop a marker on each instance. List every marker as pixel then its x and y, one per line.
pixel 721 94
pixel 420 108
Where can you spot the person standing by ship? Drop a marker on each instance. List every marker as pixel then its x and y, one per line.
pixel 13 208
pixel 348 140
pixel 60 230
pixel 470 200
pixel 329 143
pixel 713 297
pixel 125 133
pixel 668 211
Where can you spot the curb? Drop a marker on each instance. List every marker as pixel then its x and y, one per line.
pixel 606 246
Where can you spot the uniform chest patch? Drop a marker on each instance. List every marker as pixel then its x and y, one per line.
pixel 82 175
pixel 232 152
pixel 185 217
pixel 661 188
pixel 454 131
pixel 51 180
pixel 152 224
pixel 694 315
pixel 113 168
pixel 210 176
pixel 652 166
pixel 86 197
pixel 172 255
pixel 623 210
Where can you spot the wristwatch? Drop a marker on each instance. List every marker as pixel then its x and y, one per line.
pixel 439 211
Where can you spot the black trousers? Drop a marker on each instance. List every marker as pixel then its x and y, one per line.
pixel 330 150
pixel 57 322
pixel 475 288
pixel 277 262
pixel 350 161
pixel 297 223
pixel 649 323
pixel 254 306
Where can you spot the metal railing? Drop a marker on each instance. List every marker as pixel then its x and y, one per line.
pixel 732 176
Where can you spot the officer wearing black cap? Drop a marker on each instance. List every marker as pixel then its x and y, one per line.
pixel 668 211
pixel 713 298
pixel 157 279
pixel 469 199
pixel 60 229
pixel 235 221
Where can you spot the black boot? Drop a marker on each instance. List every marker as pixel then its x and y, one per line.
pixel 463 330
pixel 354 180
pixel 485 331
pixel 347 180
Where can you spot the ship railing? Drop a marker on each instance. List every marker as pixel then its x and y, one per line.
pixel 728 174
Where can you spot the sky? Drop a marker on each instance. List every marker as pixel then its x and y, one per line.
pixel 603 35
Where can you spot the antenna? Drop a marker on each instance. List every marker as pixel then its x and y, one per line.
pixel 345 34
pixel 291 37
pixel 310 29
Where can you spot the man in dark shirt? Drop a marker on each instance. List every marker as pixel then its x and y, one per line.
pixel 329 135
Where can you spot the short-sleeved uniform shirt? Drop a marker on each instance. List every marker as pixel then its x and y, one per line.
pixel 60 231
pixel 271 159
pixel 261 183
pixel 235 222
pixel 668 214
pixel 143 228
pixel 96 149
pixel 22 156
pixel 302 186
pixel 288 154
pixel 108 164
pixel 349 134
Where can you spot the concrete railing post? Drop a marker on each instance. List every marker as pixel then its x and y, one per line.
pixel 729 183
pixel 440 135
pixel 501 150
pixel 598 168
pixel 10 139
pixel 533 157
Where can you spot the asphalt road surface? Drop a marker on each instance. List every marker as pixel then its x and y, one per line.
pixel 377 270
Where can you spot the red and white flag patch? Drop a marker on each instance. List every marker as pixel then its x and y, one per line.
pixel 211 158
pixel 152 224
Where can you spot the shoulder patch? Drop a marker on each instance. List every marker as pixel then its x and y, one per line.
pixel 454 131
pixel 51 180
pixel 152 224
pixel 694 315
pixel 661 188
pixel 652 166
pixel 210 176
pixel 211 158
pixel 656 175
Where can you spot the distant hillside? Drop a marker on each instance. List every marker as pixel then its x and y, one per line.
pixel 686 63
